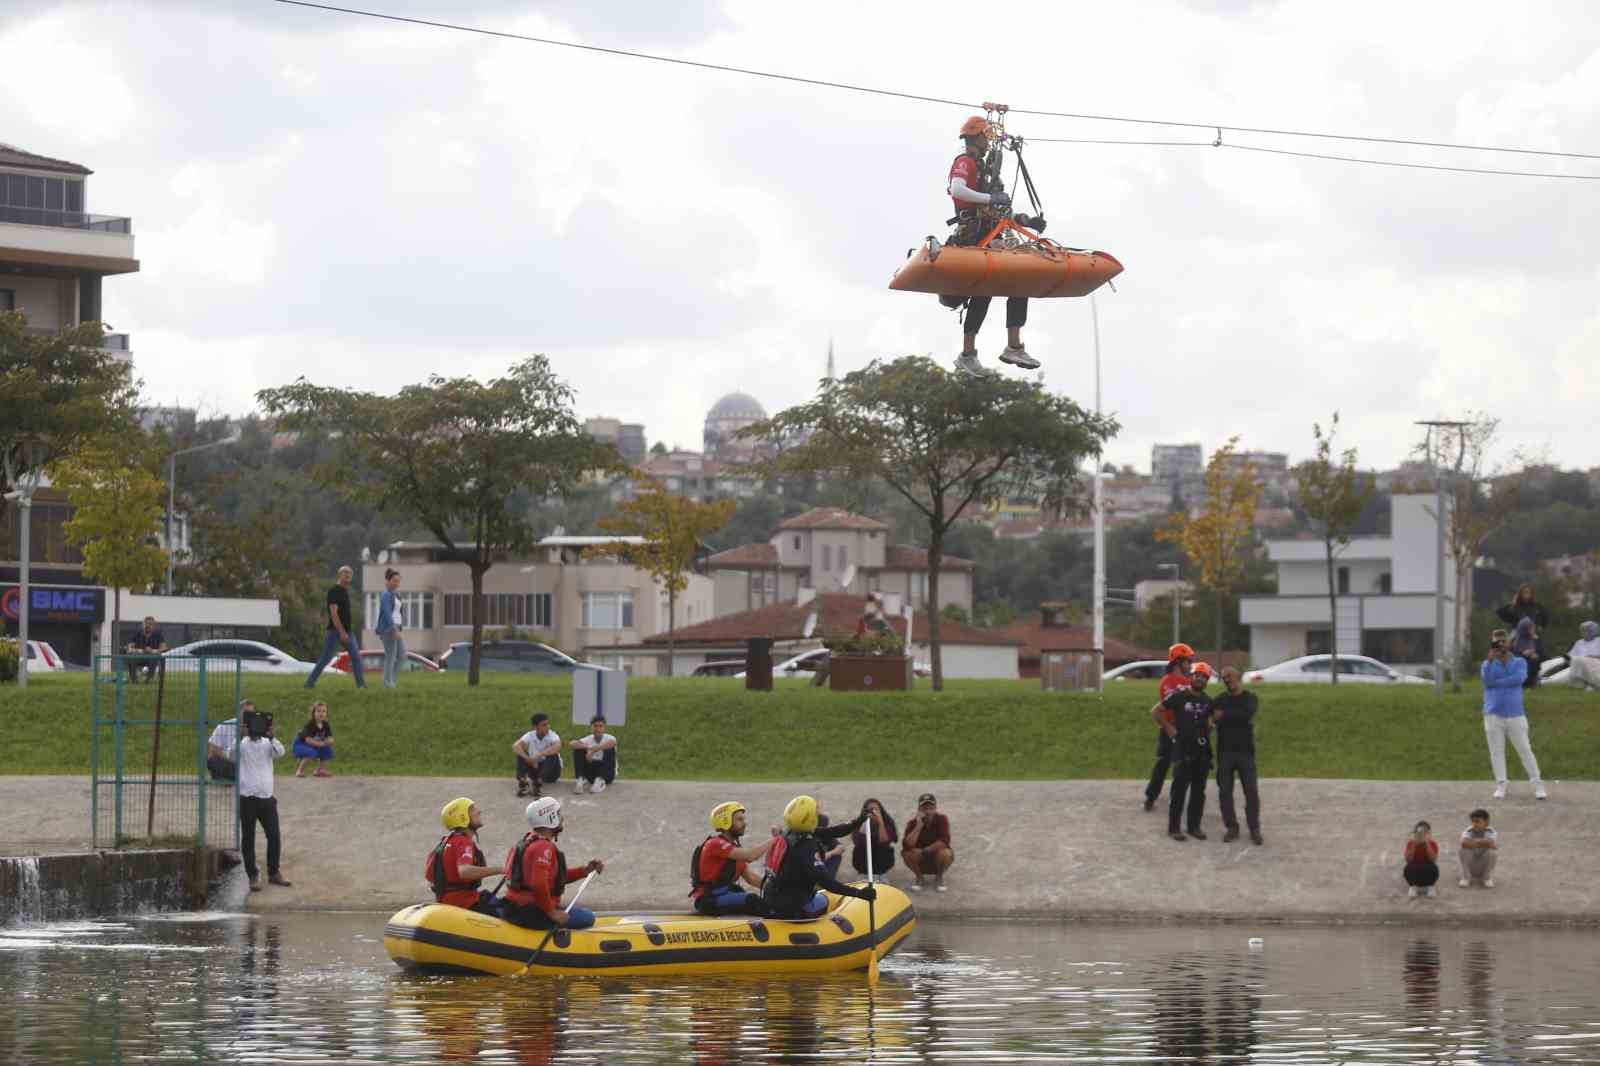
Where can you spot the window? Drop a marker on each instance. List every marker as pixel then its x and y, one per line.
pixel 1385 584
pixel 417 608
pixel 797 542
pixel 39 194
pixel 844 557
pixel 500 609
pixel 8 299
pixel 1317 666
pixel 1344 581
pixel 607 610
pixel 827 557
pixel 1398 645
pixel 1319 642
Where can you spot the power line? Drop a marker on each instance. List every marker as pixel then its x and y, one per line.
pixel 1082 116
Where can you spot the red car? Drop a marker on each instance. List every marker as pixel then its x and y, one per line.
pixel 372 662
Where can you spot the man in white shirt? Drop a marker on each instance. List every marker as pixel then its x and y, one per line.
pixel 1584 658
pixel 538 754
pixel 595 761
pixel 257 748
pixel 220 745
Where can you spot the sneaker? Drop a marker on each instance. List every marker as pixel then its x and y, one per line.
pixel 577 786
pixel 598 786
pixel 1197 834
pixel 522 789
pixel 916 886
pixel 280 881
pixel 968 365
pixel 1413 892
pixel 1179 837
pixel 939 885
pixel 1019 357
pixel 1255 838
pixel 1500 791
pixel 1431 892
pixel 1488 882
pixel 1463 883
pixel 1231 835
pixel 255 883
pixel 1539 793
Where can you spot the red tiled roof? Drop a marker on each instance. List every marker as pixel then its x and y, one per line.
pixel 1036 637
pixel 831 518
pixel 906 557
pixel 837 613
pixel 764 555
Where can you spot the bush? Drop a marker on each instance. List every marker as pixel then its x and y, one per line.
pixel 8 660
pixel 872 642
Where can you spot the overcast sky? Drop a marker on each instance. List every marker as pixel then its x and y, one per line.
pixel 365 203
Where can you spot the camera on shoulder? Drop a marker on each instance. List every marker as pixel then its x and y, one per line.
pixel 257 724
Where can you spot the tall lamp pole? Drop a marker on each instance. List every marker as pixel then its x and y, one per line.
pixel 1439 655
pixel 1099 524
pixel 23 494
pixel 1176 590
pixel 172 492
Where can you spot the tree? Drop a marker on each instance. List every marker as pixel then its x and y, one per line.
pixel 673 528
pixel 118 508
pixel 460 457
pixel 1218 540
pixel 943 443
pixel 1332 494
pixel 58 392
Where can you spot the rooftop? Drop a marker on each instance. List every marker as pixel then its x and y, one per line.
pixel 12 156
pixel 837 614
pixel 832 518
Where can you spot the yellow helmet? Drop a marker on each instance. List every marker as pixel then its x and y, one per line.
pixel 456 814
pixel 722 815
pixel 801 814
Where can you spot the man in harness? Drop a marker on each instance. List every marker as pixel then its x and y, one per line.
pixel 980 200
pixel 456 865
pixel 719 864
pixel 537 874
pixel 794 865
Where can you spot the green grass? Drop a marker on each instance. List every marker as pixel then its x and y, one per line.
pixel 711 729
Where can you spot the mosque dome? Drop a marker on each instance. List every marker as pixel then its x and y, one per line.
pixel 727 417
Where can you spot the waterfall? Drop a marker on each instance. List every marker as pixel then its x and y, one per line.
pixel 28 905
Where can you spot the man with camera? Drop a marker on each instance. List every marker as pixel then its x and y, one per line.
pixel 1503 675
pixel 257 748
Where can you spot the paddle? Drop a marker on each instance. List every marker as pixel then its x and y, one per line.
pixel 872 911
pixel 552 930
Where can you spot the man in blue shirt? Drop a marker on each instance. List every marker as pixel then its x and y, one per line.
pixel 1503 716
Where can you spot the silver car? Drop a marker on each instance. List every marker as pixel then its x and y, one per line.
pixel 1314 669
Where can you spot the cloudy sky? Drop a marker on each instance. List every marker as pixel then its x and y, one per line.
pixel 365 203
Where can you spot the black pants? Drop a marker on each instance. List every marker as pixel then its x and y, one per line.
pixel 529 917
pixel 587 769
pixel 253 809
pixel 1422 874
pixel 222 769
pixel 1158 774
pixel 548 773
pixel 978 310
pixel 1188 783
pixel 1242 763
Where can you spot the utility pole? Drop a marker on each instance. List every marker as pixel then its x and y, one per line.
pixel 1177 588
pixel 1099 524
pixel 1440 656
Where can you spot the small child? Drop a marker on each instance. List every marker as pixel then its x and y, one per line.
pixel 1422 861
pixel 314 742
pixel 1480 848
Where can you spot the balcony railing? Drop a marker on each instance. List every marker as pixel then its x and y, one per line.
pixel 35 216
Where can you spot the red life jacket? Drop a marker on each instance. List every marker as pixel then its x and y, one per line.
pixel 517 883
pixel 698 885
pixel 435 872
pixel 969 168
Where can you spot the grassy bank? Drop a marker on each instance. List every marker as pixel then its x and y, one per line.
pixel 713 730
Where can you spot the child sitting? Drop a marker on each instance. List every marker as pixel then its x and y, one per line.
pixel 1479 849
pixel 1422 861
pixel 314 742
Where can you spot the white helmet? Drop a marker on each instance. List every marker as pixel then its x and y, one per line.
pixel 545 813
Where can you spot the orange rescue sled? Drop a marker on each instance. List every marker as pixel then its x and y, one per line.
pixel 1032 267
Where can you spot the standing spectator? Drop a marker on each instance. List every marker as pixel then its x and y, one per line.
pixel 1235 713
pixel 1584 659
pixel 538 754
pixel 1422 861
pixel 314 742
pixel 1190 730
pixel 391 624
pixel 1525 644
pixel 1176 679
pixel 147 642
pixel 925 848
pixel 1480 846
pixel 1524 606
pixel 340 632
pixel 1503 715
pixel 257 748
pixel 880 824
pixel 595 764
pixel 222 747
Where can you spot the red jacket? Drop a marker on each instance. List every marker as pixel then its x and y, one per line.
pixel 966 168
pixel 459 849
pixel 544 874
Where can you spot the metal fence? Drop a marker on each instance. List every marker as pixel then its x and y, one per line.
pixel 151 717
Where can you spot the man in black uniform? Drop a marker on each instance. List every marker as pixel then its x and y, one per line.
pixel 1235 713
pixel 794 865
pixel 1190 730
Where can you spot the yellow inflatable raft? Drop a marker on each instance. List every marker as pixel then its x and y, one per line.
pixel 435 938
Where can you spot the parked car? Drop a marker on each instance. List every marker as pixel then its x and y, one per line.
pixel 807 663
pixel 720 668
pixel 510 656
pixel 1142 670
pixel 254 656
pixel 1318 669
pixel 44 659
pixel 1555 671
pixel 372 661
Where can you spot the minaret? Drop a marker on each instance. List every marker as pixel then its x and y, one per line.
pixel 830 359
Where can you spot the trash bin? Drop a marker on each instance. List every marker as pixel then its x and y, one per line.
pixel 758 664
pixel 1069 671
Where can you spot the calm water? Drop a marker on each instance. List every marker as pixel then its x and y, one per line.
pixel 219 988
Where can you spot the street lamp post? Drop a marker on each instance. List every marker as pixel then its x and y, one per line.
pixel 23 494
pixel 1176 589
pixel 1435 441
pixel 1099 524
pixel 172 492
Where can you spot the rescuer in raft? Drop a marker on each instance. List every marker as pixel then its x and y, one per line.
pixel 794 865
pixel 979 201
pixel 537 874
pixel 719 864
pixel 456 865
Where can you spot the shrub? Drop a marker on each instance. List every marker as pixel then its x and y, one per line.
pixel 8 660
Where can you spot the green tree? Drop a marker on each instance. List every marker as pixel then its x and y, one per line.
pixel 1218 541
pixel 1332 494
pixel 673 528
pixel 458 456
pixel 943 443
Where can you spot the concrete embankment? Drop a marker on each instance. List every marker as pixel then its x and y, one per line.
pixel 55 886
pixel 1049 849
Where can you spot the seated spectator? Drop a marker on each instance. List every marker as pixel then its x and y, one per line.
pixel 538 754
pixel 595 764
pixel 925 848
pixel 1526 643
pixel 872 621
pixel 222 747
pixel 831 854
pixel 148 643
pixel 884 837
pixel 1480 847
pixel 1583 661
pixel 1422 861
pixel 314 742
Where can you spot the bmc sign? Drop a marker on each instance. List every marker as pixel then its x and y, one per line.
pixel 54 603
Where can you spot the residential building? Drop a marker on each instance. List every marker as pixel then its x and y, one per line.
pixel 1271 470
pixel 561 593
pixel 1384 587
pixel 1134 498
pixel 1051 632
pixel 54 254
pixel 690 474
pixel 1172 463
pixel 626 437
pixel 828 549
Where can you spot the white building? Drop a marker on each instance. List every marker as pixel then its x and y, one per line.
pixel 1385 595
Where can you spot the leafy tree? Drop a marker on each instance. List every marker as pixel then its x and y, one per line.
pixel 945 444
pixel 456 455
pixel 1333 494
pixel 118 508
pixel 673 528
pixel 250 557
pixel 1218 540
pixel 954 612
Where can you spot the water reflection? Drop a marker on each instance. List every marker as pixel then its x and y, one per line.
pixel 318 989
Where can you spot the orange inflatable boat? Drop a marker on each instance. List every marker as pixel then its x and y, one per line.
pixel 1036 268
